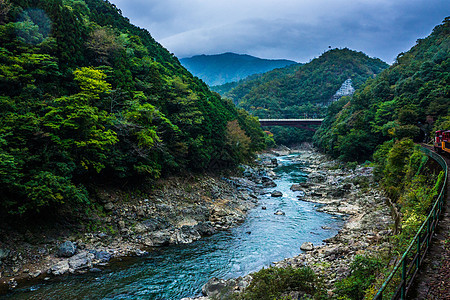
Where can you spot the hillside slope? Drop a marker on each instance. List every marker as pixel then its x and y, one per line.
pixel 238 89
pixel 87 98
pixel 312 84
pixel 228 67
pixel 401 102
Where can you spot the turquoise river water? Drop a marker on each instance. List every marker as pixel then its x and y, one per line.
pixel 179 271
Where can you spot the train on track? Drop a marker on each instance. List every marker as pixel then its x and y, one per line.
pixel 442 141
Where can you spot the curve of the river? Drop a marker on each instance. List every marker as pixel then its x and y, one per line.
pixel 180 271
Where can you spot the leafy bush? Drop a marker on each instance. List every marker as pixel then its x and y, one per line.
pixel 363 274
pixel 271 283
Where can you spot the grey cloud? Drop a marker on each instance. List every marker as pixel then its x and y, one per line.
pixel 293 29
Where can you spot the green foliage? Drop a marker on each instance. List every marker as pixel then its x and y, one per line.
pixel 303 91
pixel 88 98
pixel 237 140
pixel 363 274
pixel 47 189
pixel 398 103
pixel 395 167
pixel 402 171
pixel 271 283
pixel 91 81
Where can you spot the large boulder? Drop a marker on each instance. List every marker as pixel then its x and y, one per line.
pixel 214 287
pixel 66 249
pixel 102 256
pixel 4 253
pixel 81 261
pixel 185 235
pixel 151 225
pixel 267 182
pixel 59 268
pixel 276 194
pixel 307 246
pixel 296 187
pixel 205 228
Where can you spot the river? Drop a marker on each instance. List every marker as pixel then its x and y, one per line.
pixel 179 271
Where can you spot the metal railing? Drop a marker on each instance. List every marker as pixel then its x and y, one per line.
pixel 404 272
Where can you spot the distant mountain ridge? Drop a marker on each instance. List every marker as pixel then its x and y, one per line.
pixel 228 67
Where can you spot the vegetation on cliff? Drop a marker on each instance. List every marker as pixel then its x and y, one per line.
pixel 381 121
pixel 401 102
pixel 86 97
pixel 312 84
pixel 303 90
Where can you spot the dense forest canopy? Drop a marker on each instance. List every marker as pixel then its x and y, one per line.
pixel 238 89
pixel 87 97
pixel 299 91
pixel 312 84
pixel 408 100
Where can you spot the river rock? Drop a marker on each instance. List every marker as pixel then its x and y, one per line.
pixel 109 206
pixel 186 235
pixel 307 246
pixel 205 228
pixel 279 213
pixel 66 249
pixel 317 177
pixel 159 238
pixel 80 261
pixel 152 224
pixel 35 273
pixel 59 268
pixel 276 194
pixel 102 256
pixel 213 287
pixel 315 194
pixel 296 187
pixel 272 163
pixel 267 182
pixel 4 253
pixel 95 270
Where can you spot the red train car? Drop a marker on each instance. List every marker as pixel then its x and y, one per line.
pixel 442 141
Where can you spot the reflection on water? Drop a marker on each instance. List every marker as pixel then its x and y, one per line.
pixel 180 271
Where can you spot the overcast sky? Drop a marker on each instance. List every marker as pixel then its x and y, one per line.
pixel 294 29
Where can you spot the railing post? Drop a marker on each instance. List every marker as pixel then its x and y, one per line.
pixel 403 290
pixel 418 252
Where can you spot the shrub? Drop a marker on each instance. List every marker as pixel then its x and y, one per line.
pixel 363 273
pixel 272 282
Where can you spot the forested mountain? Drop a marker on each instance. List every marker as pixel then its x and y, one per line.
pixel 238 89
pixel 302 90
pixel 401 102
pixel 309 87
pixel 228 67
pixel 86 97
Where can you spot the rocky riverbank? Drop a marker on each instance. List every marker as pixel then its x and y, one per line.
pixel 350 193
pixel 178 210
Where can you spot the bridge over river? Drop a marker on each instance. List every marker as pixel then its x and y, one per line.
pixel 300 123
